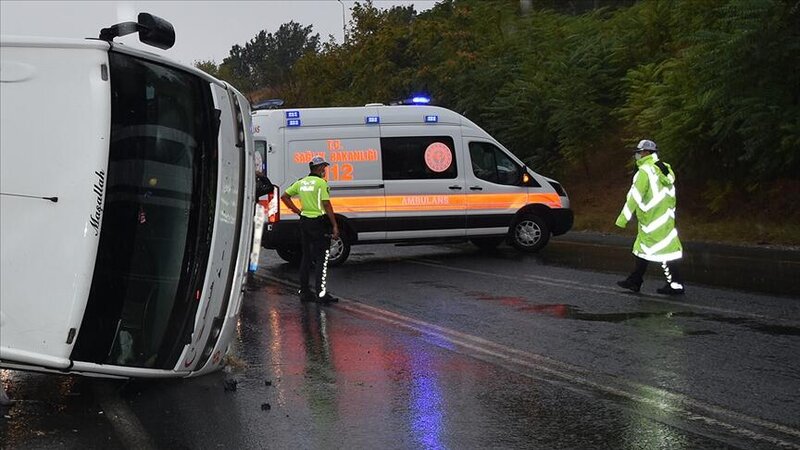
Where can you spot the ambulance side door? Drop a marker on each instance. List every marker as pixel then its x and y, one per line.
pixel 495 191
pixel 424 178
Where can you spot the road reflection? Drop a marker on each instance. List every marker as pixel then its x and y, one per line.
pixel 334 372
pixel 426 400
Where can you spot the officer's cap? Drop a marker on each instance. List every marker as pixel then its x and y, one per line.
pixel 646 145
pixel 318 161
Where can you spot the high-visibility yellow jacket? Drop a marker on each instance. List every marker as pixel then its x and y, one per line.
pixel 652 198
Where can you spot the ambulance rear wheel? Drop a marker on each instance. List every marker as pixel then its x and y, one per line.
pixel 529 233
pixel 339 251
pixel 292 255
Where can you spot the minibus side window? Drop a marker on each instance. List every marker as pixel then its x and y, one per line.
pixel 261 156
pixel 491 164
pixel 418 158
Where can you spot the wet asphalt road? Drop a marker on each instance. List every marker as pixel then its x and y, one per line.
pixel 448 347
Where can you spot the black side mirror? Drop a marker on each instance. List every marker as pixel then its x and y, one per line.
pixel 156 31
pixel 152 30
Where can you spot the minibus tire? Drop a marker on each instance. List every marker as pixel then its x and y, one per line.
pixel 487 243
pixel 529 233
pixel 344 250
pixel 291 255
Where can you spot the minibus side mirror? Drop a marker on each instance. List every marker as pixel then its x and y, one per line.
pixel 153 31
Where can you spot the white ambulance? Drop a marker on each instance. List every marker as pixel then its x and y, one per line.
pixel 126 207
pixel 407 174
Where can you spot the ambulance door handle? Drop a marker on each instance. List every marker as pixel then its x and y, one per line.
pixel 455 187
pixel 475 188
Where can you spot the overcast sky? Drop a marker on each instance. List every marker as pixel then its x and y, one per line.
pixel 203 29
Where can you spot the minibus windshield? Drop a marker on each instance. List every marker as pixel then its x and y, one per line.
pixel 158 213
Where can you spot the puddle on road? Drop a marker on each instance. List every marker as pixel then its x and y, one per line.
pixel 564 311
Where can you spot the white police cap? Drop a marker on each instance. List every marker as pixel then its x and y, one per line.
pixel 318 161
pixel 646 144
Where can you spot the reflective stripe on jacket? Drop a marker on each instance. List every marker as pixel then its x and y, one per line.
pixel 652 198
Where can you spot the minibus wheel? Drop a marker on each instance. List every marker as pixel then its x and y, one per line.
pixel 339 251
pixel 529 233
pixel 292 255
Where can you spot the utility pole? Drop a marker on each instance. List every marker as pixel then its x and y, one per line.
pixel 344 27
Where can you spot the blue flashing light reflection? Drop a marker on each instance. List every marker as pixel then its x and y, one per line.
pixel 431 119
pixel 292 114
pixel 421 100
pixel 372 119
pixel 293 123
pixel 427 415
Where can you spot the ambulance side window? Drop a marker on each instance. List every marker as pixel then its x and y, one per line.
pixel 418 158
pixel 489 163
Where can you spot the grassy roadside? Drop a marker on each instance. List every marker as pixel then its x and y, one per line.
pixel 768 216
pixel 740 231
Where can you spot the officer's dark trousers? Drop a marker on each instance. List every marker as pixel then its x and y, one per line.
pixel 315 242
pixel 671 271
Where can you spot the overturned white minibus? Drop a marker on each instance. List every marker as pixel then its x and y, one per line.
pixel 126 209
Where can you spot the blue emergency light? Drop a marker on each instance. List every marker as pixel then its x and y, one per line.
pixel 292 114
pixel 420 100
pixel 293 123
pixel 372 119
pixel 433 118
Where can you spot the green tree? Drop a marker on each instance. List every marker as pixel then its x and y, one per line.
pixel 726 106
pixel 208 66
pixel 267 59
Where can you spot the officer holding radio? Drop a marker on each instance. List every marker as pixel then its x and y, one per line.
pixel 317 227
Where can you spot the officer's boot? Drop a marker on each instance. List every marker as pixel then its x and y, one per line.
pixel 631 285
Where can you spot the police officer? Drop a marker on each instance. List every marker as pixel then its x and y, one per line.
pixel 317 227
pixel 652 199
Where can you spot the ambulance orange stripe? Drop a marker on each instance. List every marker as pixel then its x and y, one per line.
pixel 409 203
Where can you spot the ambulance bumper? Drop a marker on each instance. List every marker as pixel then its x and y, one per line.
pixel 561 221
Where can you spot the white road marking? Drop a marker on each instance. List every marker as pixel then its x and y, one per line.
pixel 690 409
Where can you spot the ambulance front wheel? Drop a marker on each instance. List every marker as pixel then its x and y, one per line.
pixel 339 251
pixel 530 233
pixel 291 255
